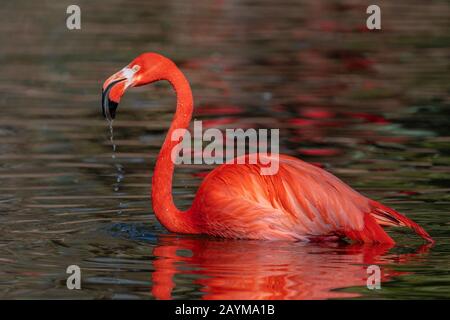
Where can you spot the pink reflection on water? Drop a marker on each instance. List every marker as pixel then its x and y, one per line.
pixel 230 269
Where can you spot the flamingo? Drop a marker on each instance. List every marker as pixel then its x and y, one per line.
pixel 301 202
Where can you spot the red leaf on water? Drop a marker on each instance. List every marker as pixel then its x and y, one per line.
pixel 319 152
pixel 358 63
pixel 317 113
pixel 301 122
pixel 409 192
pixel 372 118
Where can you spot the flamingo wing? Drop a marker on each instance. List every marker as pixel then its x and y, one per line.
pixel 300 201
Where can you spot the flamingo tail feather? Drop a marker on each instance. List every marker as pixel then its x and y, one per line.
pixel 389 217
pixel 371 233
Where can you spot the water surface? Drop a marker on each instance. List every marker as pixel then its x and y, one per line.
pixel 371 107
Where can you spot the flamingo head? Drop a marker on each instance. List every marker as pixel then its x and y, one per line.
pixel 146 68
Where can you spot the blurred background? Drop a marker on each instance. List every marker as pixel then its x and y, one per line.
pixel 372 107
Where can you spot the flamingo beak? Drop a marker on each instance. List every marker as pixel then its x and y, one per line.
pixel 113 89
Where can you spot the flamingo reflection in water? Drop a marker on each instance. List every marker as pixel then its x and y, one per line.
pixel 254 270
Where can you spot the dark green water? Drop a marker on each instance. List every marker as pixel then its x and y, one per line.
pixel 371 107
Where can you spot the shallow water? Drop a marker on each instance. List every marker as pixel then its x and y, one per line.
pixel 373 108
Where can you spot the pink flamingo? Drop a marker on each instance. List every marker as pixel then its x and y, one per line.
pixel 299 202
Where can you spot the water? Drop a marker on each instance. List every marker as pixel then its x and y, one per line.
pixel 118 166
pixel 373 108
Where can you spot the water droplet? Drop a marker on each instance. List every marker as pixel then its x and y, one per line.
pixel 267 96
pixel 119 168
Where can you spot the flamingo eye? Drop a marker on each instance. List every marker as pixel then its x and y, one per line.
pixel 136 68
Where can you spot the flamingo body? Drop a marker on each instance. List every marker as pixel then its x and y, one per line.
pixel 299 202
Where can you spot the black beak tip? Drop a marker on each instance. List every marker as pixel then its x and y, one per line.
pixel 112 107
pixel 109 107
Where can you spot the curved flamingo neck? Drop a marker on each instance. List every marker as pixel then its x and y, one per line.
pixel 165 210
